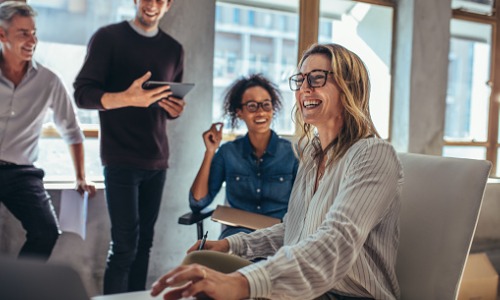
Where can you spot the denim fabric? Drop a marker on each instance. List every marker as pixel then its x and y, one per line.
pixel 22 192
pixel 133 197
pixel 261 186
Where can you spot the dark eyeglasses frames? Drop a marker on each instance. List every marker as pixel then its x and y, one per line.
pixel 315 79
pixel 253 106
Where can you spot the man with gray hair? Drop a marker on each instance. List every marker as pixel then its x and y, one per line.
pixel 28 90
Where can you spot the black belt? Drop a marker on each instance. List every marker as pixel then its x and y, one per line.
pixel 6 163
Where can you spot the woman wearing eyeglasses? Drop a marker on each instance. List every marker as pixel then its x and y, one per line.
pixel 340 236
pixel 259 168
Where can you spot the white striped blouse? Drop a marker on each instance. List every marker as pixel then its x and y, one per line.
pixel 343 238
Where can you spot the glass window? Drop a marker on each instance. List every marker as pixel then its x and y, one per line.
pixel 236 16
pixel 367 30
pixel 250 49
pixel 468 94
pixel 63 51
pixel 464 152
pixel 476 6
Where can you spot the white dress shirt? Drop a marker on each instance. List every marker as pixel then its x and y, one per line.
pixel 23 109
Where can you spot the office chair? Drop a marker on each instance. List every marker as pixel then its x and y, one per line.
pixel 441 200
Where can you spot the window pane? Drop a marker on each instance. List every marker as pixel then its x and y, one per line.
pixel 55 160
pixel 64 28
pixel 367 30
pixel 263 41
pixel 468 93
pixel 465 152
pixel 484 7
pixel 63 51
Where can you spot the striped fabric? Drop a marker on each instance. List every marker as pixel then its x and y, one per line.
pixel 342 238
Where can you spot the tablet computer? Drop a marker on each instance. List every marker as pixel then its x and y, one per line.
pixel 179 90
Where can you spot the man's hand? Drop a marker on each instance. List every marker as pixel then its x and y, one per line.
pixel 173 106
pixel 135 95
pixel 85 186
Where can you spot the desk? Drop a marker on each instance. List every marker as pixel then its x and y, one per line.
pixel 144 295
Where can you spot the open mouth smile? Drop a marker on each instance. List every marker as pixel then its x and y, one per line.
pixel 311 103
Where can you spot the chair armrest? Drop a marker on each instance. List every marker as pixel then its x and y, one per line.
pixel 193 218
pixel 196 218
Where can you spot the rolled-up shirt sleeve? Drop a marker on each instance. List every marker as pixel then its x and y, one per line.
pixel 64 114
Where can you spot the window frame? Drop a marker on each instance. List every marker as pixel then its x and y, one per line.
pixel 492 143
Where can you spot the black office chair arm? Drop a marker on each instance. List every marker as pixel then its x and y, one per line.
pixel 196 218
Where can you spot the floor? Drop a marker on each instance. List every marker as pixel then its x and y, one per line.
pixel 492 249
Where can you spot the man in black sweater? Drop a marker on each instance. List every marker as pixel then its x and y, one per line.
pixel 134 145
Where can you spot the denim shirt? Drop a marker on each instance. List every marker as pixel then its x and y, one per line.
pixel 261 186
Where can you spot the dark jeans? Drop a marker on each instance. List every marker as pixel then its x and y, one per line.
pixel 133 197
pixel 22 192
pixel 333 296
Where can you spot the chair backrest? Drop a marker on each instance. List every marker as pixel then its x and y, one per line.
pixel 441 200
pixel 34 280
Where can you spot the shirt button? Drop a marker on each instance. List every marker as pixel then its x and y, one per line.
pixel 258 174
pixel 12 113
pixel 237 178
pixel 258 190
pixel 281 179
pixel 258 207
pixel 261 160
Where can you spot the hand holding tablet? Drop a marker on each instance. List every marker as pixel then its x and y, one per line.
pixel 179 90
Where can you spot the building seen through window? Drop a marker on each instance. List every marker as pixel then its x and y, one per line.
pixel 252 40
pixel 263 38
pixel 64 28
pixel 468 92
pixel 366 29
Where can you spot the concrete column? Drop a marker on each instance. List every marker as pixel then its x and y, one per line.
pixel 422 39
pixel 194 28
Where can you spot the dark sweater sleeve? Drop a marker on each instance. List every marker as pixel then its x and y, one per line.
pixel 89 83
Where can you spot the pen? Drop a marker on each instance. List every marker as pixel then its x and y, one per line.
pixel 203 240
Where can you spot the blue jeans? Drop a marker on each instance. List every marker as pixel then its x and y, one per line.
pixel 133 197
pixel 22 192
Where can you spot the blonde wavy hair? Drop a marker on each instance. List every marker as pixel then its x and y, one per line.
pixel 351 76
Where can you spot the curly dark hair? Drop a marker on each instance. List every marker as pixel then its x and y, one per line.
pixel 234 93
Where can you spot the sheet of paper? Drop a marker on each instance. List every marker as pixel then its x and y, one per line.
pixel 73 213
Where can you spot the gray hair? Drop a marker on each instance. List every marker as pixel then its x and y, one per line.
pixel 9 9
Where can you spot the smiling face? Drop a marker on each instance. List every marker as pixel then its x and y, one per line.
pixel 19 39
pixel 149 13
pixel 259 121
pixel 320 107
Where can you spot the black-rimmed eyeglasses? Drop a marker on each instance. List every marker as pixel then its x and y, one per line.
pixel 315 79
pixel 253 106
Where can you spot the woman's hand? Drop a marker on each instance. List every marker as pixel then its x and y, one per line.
pixel 213 136
pixel 198 281
pixel 219 246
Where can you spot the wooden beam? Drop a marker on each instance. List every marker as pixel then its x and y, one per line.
pixel 308 25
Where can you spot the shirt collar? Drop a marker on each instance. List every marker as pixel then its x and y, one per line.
pixel 32 65
pixel 271 147
pixel 141 31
